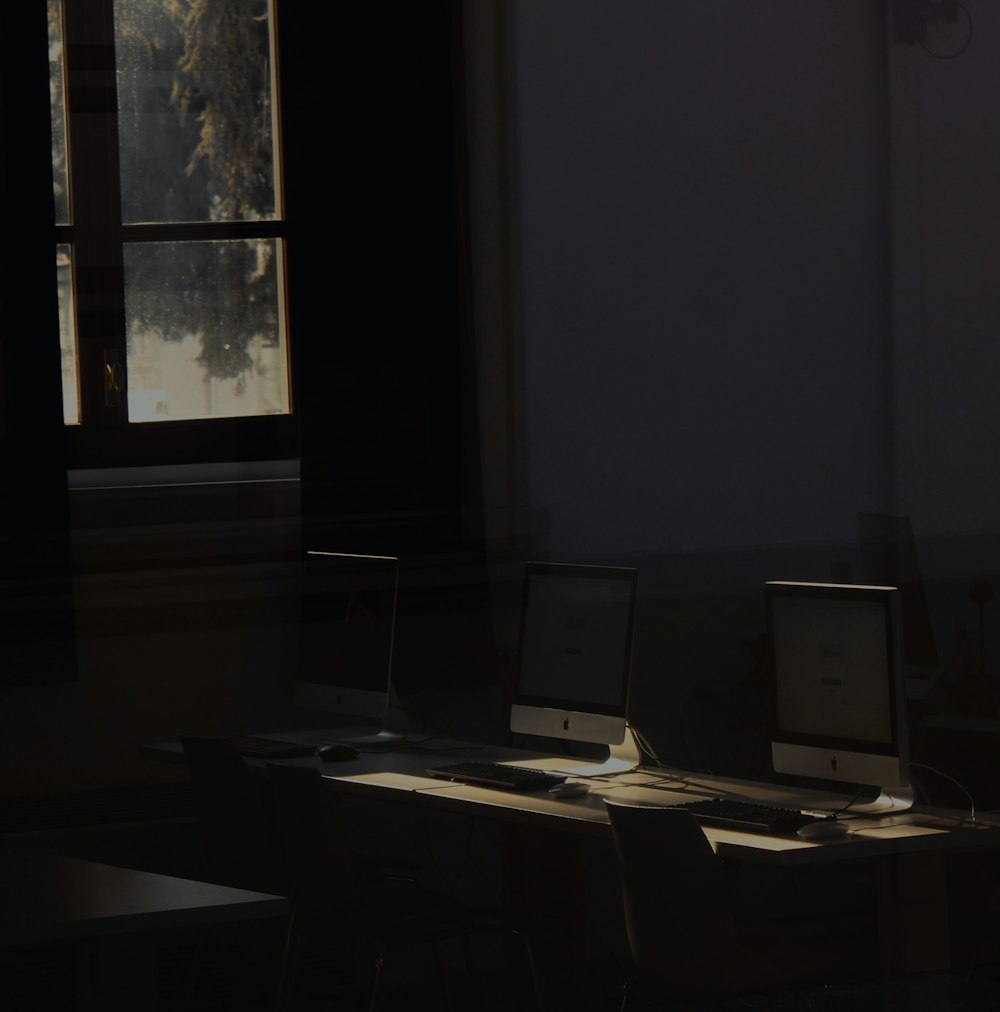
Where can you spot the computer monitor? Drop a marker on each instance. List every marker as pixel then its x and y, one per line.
pixel 836 662
pixel 575 653
pixel 346 632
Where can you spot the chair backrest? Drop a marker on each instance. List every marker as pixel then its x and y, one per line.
pixel 678 912
pixel 320 872
pixel 237 816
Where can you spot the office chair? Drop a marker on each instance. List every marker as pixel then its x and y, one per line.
pixel 237 815
pixel 385 911
pixel 686 939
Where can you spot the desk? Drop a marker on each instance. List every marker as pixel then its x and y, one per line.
pixel 908 851
pixel 112 911
pixel 905 853
pixel 398 776
pixel 921 830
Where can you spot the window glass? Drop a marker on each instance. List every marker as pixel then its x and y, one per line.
pixel 67 336
pixel 205 331
pixel 57 104
pixel 171 272
pixel 195 109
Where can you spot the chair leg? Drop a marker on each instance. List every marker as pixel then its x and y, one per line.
pixel 373 994
pixel 289 967
pixel 440 967
pixel 624 1005
pixel 529 958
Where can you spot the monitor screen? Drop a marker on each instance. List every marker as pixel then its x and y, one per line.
pixel 836 653
pixel 346 633
pixel 575 652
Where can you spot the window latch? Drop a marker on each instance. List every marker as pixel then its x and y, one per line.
pixel 114 378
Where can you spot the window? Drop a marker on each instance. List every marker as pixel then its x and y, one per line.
pixel 170 234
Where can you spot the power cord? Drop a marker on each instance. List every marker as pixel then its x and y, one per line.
pixel 961 787
pixel 671 774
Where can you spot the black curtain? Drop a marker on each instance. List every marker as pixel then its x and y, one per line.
pixel 36 615
pixel 371 162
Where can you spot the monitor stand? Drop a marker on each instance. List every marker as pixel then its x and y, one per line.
pixel 621 759
pixel 380 739
pixel 888 802
pixel 393 733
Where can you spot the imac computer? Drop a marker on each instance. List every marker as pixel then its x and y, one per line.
pixel 574 658
pixel 346 632
pixel 838 686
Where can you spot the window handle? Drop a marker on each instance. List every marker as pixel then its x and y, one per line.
pixel 114 378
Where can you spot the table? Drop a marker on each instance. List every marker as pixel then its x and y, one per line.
pixel 907 850
pixel 112 912
pixel 919 830
pixel 397 775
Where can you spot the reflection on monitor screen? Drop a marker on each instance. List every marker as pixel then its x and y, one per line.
pixel 837 681
pixel 576 645
pixel 346 631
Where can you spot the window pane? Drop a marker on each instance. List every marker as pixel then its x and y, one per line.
pixel 195 110
pixel 67 337
pixel 57 103
pixel 205 330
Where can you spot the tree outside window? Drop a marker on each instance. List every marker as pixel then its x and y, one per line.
pixel 169 228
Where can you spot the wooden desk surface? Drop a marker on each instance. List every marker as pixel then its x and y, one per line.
pixel 914 831
pixel 398 776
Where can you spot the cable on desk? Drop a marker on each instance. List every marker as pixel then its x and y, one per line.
pixel 671 774
pixel 643 742
pixel 853 801
pixel 961 787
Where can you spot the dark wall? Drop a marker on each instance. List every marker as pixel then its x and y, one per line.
pixel 704 221
pixel 755 300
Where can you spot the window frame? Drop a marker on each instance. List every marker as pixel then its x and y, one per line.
pixel 98 238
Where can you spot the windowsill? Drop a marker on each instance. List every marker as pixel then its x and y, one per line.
pixel 184 474
pixel 184 497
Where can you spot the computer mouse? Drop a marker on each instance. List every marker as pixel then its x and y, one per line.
pixel 569 789
pixel 822 829
pixel 336 753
